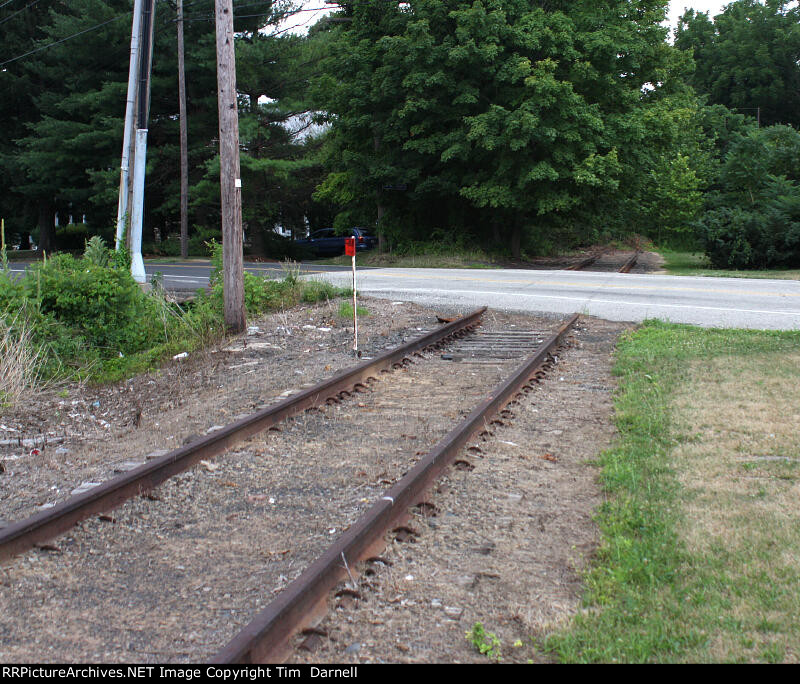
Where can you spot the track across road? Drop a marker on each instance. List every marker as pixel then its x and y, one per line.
pixel 611 265
pixel 172 576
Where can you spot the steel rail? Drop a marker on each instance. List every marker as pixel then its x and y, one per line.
pixel 630 263
pixel 588 261
pixel 25 534
pixel 303 603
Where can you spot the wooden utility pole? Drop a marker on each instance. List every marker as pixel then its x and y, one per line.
pixel 229 175
pixel 184 143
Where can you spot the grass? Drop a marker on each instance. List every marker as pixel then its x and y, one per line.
pixel 265 295
pixel 699 554
pixel 697 264
pixel 35 349
pixel 485 643
pixel 346 310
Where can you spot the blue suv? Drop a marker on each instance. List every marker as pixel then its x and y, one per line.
pixel 325 242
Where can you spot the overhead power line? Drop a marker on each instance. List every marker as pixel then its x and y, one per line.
pixel 64 40
pixel 11 16
pixel 127 14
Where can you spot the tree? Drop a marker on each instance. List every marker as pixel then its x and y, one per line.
pixel 62 122
pixel 23 29
pixel 748 58
pixel 502 118
pixel 754 216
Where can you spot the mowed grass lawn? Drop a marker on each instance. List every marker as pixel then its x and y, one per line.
pixel 700 554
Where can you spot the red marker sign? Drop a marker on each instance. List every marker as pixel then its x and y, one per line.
pixel 350 246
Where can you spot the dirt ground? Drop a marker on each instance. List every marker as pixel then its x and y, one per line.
pixel 218 542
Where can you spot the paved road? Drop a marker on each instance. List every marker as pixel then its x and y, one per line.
pixel 710 302
pixel 194 274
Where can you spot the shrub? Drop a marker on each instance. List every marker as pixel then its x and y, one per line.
pixel 72 236
pixel 754 221
pixel 765 234
pixel 105 304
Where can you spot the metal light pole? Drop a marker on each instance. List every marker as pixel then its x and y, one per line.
pixel 130 106
pixel 140 157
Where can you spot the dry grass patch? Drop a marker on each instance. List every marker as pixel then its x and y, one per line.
pixel 21 359
pixel 739 467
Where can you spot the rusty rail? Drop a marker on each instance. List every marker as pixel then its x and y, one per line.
pixel 25 534
pixel 630 263
pixel 304 602
pixel 588 261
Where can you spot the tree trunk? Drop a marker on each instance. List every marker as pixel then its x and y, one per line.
pixel 47 231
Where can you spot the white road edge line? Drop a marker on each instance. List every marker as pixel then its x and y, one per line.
pixel 586 301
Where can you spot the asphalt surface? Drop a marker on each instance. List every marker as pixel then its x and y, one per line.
pixel 708 302
pixel 193 275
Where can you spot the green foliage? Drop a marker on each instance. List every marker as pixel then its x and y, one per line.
pixel 62 109
pixel 754 216
pixel 319 290
pixel 263 295
pixel 747 58
pixel 503 121
pixel 94 320
pixel 486 643
pixel 96 252
pixel 171 245
pixel 764 236
pixel 72 237
pixel 346 310
pixel 105 304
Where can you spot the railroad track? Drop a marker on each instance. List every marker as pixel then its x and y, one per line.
pixel 486 358
pixel 39 528
pixel 590 261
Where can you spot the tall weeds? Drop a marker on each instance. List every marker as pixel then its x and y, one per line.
pixel 21 359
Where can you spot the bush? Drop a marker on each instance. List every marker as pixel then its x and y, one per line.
pixel 764 235
pixel 170 246
pixel 91 317
pixel 754 221
pixel 105 304
pixel 72 236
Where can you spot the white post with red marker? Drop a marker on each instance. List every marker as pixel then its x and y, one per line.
pixel 350 250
